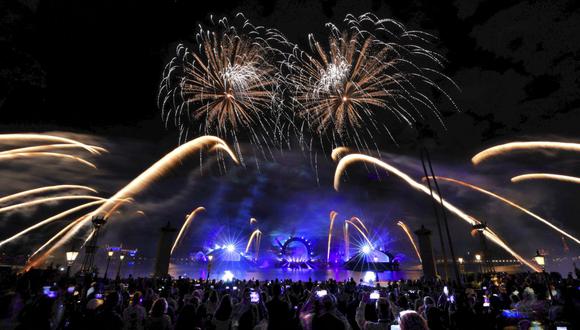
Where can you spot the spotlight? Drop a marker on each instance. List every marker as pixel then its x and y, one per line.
pixel 369 277
pixel 230 248
pixel 366 249
pixel 228 276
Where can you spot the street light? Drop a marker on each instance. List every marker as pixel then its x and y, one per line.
pixel 478 260
pixel 461 262
pixel 121 257
pixel 540 260
pixel 109 256
pixel 71 256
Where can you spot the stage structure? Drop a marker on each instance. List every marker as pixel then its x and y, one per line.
pixel 296 253
pixel 373 260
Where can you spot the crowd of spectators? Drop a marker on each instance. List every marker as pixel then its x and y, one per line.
pixel 46 300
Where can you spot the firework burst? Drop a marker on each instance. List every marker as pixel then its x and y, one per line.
pixel 371 68
pixel 227 85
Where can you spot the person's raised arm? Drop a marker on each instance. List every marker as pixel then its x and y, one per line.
pixel 360 311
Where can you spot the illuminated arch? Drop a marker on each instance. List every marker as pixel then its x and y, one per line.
pixel 294 263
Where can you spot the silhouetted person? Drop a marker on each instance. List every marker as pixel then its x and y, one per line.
pixel 107 316
pixel 329 317
pixel 278 310
pixel 158 318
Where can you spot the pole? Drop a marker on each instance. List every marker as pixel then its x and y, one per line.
pixel 107 268
pixel 445 222
pixel 547 279
pixel 439 231
pixel 119 269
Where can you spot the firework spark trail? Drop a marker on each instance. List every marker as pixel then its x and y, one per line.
pixel 185 225
pixel 227 84
pixel 117 205
pixel 545 176
pixel 333 215
pixel 46 154
pixel 43 190
pixel 346 241
pixel 258 242
pixel 52 219
pixel 144 180
pixel 338 152
pixel 510 203
pixel 161 167
pixel 48 200
pixel 529 146
pixel 29 137
pixel 50 147
pixel 254 234
pixel 411 238
pixel 362 225
pixel 34 262
pixel 347 160
pixel 370 67
pixel 361 232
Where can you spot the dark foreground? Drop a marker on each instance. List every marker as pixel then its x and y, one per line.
pixel 44 299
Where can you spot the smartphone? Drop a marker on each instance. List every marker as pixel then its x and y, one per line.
pixel 254 297
pixel 561 328
pixel 45 290
pixel 395 327
pixel 70 289
pixel 511 314
pixel 446 290
pixel 485 301
pixel 99 296
pixel 321 293
pixel 374 295
pixel 235 288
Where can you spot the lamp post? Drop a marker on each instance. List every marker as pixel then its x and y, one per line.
pixel 209 259
pixel 540 259
pixel 478 260
pixel 109 256
pixel 121 257
pixel 487 264
pixel 71 256
pixel 460 260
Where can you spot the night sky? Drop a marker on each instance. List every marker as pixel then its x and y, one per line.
pixel 91 70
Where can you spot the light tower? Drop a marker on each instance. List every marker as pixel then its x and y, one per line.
pixel 91 247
